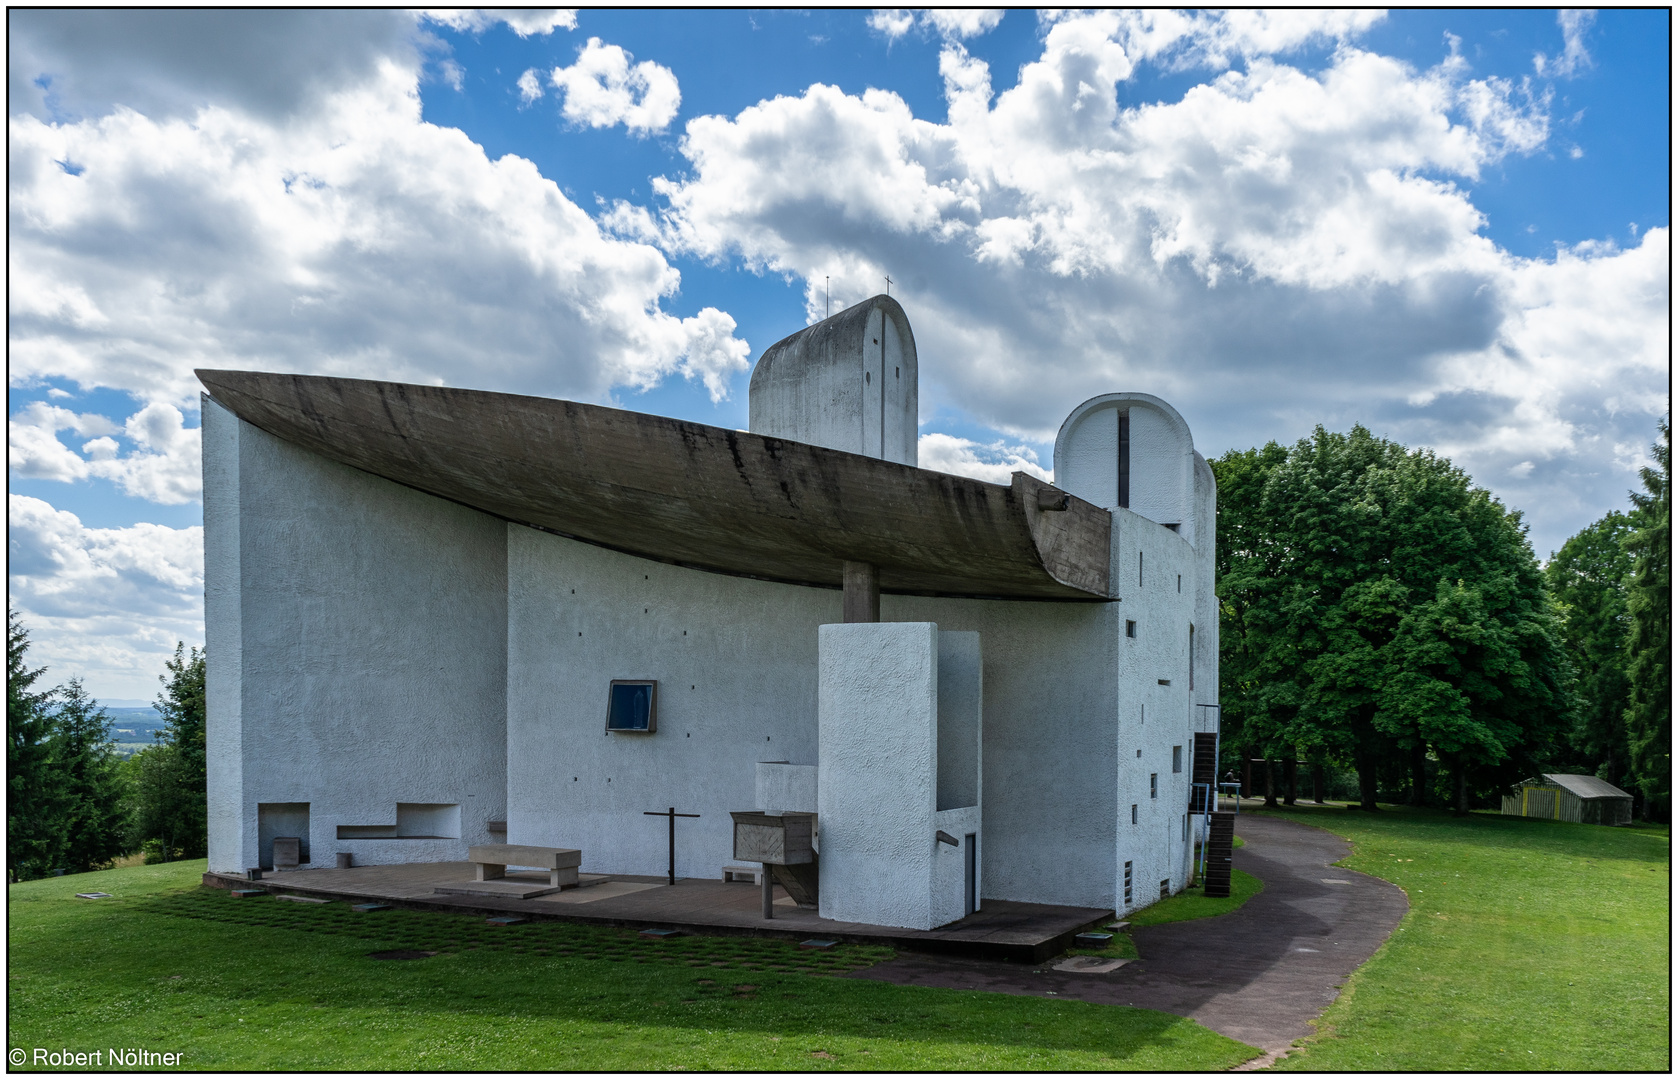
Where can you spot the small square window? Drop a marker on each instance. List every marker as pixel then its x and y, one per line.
pixel 1153 785
pixel 632 706
pixel 1133 813
pixel 1130 628
pixel 1176 759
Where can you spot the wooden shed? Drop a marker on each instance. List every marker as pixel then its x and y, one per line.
pixel 1570 797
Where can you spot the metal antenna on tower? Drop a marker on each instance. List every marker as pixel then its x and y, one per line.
pixel 829 311
pixel 888 284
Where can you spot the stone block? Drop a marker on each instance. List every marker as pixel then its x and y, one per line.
pixel 287 852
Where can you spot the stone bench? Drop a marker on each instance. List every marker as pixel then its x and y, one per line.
pixel 492 860
pixel 743 871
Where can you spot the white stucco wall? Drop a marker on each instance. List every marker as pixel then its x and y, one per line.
pixel 961 683
pixel 224 749
pixel 364 630
pixel 784 786
pixel 1165 578
pixel 1162 476
pixel 877 708
pixel 737 664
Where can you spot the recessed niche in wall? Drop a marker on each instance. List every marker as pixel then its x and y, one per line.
pixel 428 821
pixel 281 819
pixel 632 706
pixel 414 821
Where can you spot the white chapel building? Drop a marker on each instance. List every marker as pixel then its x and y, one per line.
pixel 440 617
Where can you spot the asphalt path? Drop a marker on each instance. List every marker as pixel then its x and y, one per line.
pixel 1260 974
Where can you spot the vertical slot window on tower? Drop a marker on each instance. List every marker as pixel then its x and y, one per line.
pixel 1153 785
pixel 1176 759
pixel 1138 569
pixel 1126 884
pixel 1124 457
pixel 1133 813
pixel 1130 628
pixel 1191 656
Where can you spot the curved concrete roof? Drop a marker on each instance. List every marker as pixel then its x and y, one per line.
pixel 700 496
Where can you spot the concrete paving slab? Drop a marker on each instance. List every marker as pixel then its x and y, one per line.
pixel 602 890
pixel 1090 965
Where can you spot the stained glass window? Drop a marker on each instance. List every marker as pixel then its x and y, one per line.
pixel 632 705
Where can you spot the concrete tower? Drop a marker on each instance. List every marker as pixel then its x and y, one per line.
pixel 850 382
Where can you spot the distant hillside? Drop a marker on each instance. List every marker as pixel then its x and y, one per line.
pixel 134 725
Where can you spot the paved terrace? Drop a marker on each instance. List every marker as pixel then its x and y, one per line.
pixel 1001 930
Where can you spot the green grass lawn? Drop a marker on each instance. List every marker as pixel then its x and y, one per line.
pixel 266 984
pixel 1529 945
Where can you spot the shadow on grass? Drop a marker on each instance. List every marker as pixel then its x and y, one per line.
pixel 258 982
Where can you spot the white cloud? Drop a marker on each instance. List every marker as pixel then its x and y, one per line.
pixel 164 467
pixel 364 242
pixel 892 22
pixel 524 22
pixel 33 450
pixel 603 88
pixel 105 604
pixel 530 87
pixel 1274 249
pixel 955 24
pixel 951 24
pixel 67 63
pixel 1574 55
pixel 996 462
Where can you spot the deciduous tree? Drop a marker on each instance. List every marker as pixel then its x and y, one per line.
pixel 1588 579
pixel 1383 606
pixel 1649 644
pixel 168 780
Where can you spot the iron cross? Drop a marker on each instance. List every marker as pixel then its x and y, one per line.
pixel 672 815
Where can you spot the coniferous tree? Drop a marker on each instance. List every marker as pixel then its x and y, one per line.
pixel 1649 644
pixel 35 802
pixel 86 763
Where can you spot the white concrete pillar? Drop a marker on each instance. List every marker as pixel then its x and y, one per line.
pixel 878 718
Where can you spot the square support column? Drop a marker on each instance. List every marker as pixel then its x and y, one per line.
pixel 878 717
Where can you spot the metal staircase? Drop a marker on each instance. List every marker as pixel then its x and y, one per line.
pixel 1217 850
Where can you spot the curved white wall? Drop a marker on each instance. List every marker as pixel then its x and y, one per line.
pixel 1162 484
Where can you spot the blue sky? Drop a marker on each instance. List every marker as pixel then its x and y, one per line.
pixel 1449 226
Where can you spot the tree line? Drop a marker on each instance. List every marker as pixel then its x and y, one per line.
pixel 1383 617
pixel 73 803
